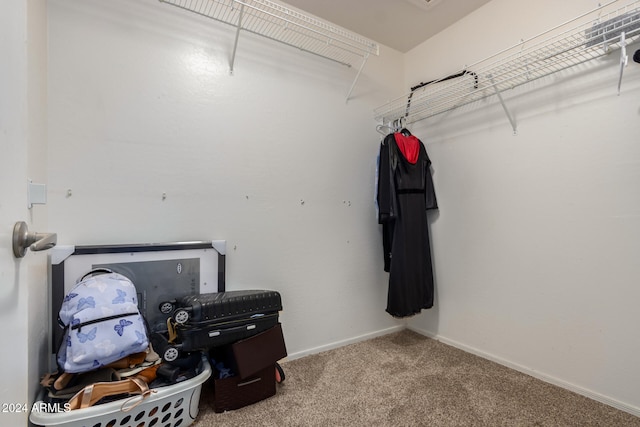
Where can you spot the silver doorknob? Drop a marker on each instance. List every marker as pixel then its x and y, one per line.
pixel 23 240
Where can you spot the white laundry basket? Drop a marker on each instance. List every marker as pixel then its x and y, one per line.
pixel 175 405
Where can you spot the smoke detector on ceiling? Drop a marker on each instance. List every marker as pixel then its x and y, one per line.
pixel 424 4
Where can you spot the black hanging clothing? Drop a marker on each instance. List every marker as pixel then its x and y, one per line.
pixel 405 193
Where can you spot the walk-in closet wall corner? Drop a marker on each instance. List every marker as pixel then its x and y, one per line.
pixel 536 241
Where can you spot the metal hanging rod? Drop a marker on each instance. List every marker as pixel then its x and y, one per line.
pixel 290 27
pixel 586 37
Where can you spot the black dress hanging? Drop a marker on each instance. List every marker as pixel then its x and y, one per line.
pixel 405 193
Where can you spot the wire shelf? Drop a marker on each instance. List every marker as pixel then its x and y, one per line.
pixel 572 44
pixel 284 25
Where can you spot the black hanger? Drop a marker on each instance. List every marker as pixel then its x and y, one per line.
pixel 405 132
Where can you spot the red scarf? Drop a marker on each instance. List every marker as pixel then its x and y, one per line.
pixel 409 146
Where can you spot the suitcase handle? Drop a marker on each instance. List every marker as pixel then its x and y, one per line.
pixel 219 332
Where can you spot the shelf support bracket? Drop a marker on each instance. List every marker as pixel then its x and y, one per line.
pixel 364 61
pixel 624 58
pixel 235 44
pixel 504 106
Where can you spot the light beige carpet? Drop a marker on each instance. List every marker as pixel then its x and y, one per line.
pixel 406 379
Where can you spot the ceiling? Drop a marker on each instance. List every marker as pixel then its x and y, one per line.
pixel 399 24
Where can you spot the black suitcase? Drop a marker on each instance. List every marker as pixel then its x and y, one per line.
pixel 205 321
pixel 224 306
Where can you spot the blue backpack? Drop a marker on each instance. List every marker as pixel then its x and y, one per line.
pixel 101 322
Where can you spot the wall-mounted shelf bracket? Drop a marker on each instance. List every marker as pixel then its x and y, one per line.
pixel 624 58
pixel 364 61
pixel 235 43
pixel 504 106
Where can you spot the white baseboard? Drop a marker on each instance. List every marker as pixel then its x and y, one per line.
pixel 633 410
pixel 342 343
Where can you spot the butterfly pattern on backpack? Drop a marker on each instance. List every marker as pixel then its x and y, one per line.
pixel 102 323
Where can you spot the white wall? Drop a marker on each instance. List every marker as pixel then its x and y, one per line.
pixel 537 239
pixel 271 159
